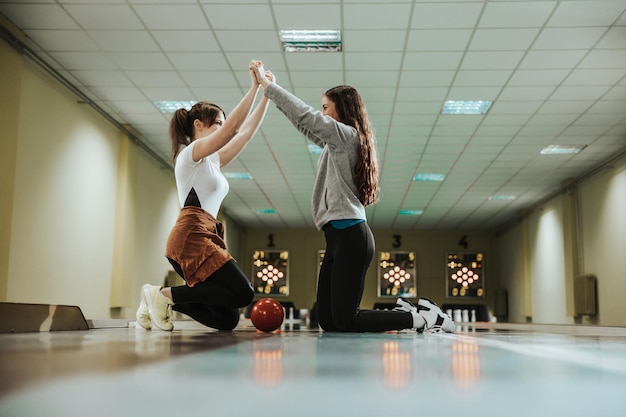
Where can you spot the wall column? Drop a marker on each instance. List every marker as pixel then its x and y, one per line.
pixel 11 65
pixel 124 236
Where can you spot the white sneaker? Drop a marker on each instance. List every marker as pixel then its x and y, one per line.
pixel 405 306
pixel 143 314
pixel 159 307
pixel 436 320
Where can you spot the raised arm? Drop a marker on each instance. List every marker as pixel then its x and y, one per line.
pixel 247 130
pixel 317 127
pixel 210 144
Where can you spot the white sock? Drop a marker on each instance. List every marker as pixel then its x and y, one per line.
pixel 418 320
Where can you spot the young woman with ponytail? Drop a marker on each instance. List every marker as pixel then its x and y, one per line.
pixel 204 141
pixel 346 183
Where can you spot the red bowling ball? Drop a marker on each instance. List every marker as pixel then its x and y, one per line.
pixel 267 314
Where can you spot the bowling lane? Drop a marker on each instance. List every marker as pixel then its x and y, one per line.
pixel 310 373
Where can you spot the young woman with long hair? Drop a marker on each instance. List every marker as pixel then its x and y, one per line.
pixel 203 142
pixel 346 183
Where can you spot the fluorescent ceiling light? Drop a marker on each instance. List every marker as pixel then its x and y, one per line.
pixel 410 212
pixel 238 175
pixel 314 149
pixel 429 177
pixel 466 107
pixel 311 40
pixel 502 197
pixel 170 106
pixel 266 211
pixel 562 149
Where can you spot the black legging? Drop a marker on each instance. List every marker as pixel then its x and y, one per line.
pixel 340 285
pixel 214 302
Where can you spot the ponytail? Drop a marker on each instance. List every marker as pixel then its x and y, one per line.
pixel 181 131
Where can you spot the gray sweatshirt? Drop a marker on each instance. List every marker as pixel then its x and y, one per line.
pixel 334 193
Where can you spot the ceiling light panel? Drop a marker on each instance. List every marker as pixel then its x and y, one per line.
pixel 456 107
pixel 170 106
pixel 562 149
pixel 311 40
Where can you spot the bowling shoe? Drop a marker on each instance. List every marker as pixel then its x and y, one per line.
pixel 436 320
pixel 143 314
pixel 159 307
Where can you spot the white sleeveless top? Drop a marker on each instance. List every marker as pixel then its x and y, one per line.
pixel 204 176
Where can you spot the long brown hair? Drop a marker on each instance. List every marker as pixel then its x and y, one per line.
pixel 351 110
pixel 181 125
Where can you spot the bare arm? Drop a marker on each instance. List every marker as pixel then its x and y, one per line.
pixel 215 141
pixel 247 131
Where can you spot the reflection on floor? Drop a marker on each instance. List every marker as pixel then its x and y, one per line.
pixel 482 370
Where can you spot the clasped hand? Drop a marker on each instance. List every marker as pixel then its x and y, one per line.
pixel 263 77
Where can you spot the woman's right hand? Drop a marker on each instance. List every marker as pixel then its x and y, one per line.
pixel 254 66
pixel 262 75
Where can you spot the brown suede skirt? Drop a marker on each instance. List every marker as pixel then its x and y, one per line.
pixel 196 243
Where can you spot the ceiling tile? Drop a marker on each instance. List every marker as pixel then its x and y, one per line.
pixel 438 40
pixel 79 61
pixel 256 41
pixel 568 38
pixel 179 17
pixel 239 16
pixel 551 59
pixel 516 14
pixel 155 78
pixel 141 61
pixel 109 16
pixel 62 40
pixel 445 15
pixel 587 13
pixel 194 61
pixel 186 41
pixel 497 60
pixel 431 61
pixel 502 39
pixel 307 16
pixel 38 16
pixel 124 40
pixel 376 16
pixel 373 40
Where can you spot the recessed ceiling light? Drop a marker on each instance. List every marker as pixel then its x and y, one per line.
pixel 429 177
pixel 170 106
pixel 238 175
pixel 502 197
pixel 311 40
pixel 314 149
pixel 266 211
pixel 562 149
pixel 466 107
pixel 410 212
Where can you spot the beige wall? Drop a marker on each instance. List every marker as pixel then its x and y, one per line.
pixel 603 230
pixel 157 207
pixel 90 212
pixel 10 82
pixel 545 253
pixel 430 247
pixel 64 205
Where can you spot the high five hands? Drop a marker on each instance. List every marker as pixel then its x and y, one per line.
pixel 263 77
